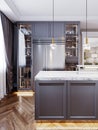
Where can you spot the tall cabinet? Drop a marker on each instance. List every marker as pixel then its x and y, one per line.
pixel 24 65
pixel 72 48
pixel 36 51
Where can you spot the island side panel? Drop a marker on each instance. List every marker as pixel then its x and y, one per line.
pixel 82 99
pixel 50 100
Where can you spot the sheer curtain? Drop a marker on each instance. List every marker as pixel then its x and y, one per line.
pixel 7 27
pixel 2 63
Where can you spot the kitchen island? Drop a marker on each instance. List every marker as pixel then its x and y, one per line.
pixel 61 95
pixel 67 75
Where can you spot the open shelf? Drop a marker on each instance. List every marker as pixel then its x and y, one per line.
pixel 24 72
pixel 71 46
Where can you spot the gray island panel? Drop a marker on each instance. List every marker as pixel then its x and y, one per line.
pixel 61 95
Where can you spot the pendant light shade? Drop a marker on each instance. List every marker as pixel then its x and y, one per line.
pixel 53 45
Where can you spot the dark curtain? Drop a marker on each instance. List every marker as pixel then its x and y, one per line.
pixel 8 27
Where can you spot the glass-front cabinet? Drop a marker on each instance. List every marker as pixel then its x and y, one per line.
pixel 72 34
pixel 24 56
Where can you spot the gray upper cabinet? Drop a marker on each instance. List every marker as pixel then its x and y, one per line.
pixel 58 29
pixel 41 30
pixel 48 29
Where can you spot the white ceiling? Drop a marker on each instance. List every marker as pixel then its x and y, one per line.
pixel 41 10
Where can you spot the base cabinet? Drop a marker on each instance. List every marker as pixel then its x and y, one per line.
pixel 50 100
pixel 82 99
pixel 66 100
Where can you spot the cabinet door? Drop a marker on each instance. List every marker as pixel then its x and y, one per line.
pixel 50 100
pixel 40 30
pixel 72 39
pixel 81 100
pixel 58 29
pixel 24 66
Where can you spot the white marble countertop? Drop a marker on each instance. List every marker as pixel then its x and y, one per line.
pixel 67 75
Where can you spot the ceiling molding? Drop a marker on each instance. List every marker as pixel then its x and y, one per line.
pixel 92 20
pixel 13 8
pixel 57 18
pixel 9 9
pixel 20 10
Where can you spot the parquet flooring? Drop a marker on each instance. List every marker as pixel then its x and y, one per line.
pixel 17 113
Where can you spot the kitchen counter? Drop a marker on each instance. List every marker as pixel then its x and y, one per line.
pixel 66 95
pixel 67 75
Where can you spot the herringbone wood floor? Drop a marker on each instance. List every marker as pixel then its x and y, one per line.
pixel 17 113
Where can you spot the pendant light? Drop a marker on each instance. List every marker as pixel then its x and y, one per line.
pixel 53 45
pixel 86 24
pixel 86 44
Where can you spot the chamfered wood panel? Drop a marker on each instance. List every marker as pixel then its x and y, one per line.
pixel 81 100
pixel 50 101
